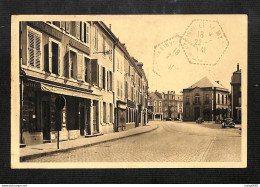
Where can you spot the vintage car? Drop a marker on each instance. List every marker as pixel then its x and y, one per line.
pixel 228 122
pixel 200 120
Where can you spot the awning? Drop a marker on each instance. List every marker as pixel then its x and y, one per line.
pixel 69 92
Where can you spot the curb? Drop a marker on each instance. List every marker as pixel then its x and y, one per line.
pixel 37 155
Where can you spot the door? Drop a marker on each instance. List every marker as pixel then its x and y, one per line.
pixel 82 120
pixel 87 121
pixel 46 120
pixel 197 112
pixel 95 119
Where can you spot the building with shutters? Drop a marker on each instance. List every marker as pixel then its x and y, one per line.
pixel 172 105
pixel 206 98
pixel 83 64
pixel 236 95
pixel 155 103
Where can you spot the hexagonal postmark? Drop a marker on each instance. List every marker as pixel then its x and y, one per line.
pixel 165 54
pixel 204 42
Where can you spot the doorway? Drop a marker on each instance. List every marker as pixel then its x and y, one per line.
pixel 197 112
pixel 46 121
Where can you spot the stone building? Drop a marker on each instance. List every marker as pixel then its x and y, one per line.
pixel 206 98
pixel 70 81
pixel 156 101
pixel 172 105
pixel 236 95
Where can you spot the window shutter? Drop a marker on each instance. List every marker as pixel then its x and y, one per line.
pixel 98 75
pixel 108 86
pixel 59 72
pixel 83 68
pixel 94 72
pixel 82 31
pixel 101 78
pixel 80 66
pixel 63 25
pixel 67 26
pixel 38 51
pixel 31 48
pixel 46 58
pixel 78 29
pixel 66 64
pixel 50 56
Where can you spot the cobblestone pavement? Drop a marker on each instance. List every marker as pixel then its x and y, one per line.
pixel 171 142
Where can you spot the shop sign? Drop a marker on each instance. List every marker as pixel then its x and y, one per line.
pixel 32 84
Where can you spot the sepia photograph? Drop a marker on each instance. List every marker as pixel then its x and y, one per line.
pixel 129 91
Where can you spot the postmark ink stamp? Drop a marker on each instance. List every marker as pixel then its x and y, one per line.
pixel 204 42
pixel 164 54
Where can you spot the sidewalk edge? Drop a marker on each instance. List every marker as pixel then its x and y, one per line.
pixel 37 155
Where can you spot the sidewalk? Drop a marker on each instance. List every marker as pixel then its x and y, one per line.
pixel 36 151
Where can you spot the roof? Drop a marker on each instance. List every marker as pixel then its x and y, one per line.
pixel 155 96
pixel 205 82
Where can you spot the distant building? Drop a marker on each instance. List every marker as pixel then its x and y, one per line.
pixel 207 99
pixel 236 95
pixel 155 100
pixel 172 105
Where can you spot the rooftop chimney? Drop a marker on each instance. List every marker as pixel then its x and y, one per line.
pixel 237 66
pixel 110 26
pixel 217 82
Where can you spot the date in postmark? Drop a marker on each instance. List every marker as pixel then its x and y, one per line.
pixel 164 54
pixel 204 42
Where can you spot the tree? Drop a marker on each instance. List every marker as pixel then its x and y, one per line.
pixel 224 112
pixel 218 112
pixel 207 112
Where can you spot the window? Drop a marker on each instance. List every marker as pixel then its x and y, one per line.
pixel 160 103
pixel 96 38
pixel 132 93
pixel 34 48
pixel 222 99
pixel 187 99
pixel 103 78
pixel 104 45
pixel 111 113
pixel 86 33
pixel 57 23
pixel 121 89
pixel 67 26
pixel 207 98
pixel 81 37
pixel 226 99
pixel 110 50
pixel 73 62
pixel 126 90
pixel 218 99
pixel 94 72
pixel 109 81
pixel 155 103
pixel 197 99
pixel 55 58
pixel 87 69
pixel 63 25
pixel 118 89
pixel 104 112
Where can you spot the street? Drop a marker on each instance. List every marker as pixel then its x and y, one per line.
pixel 172 141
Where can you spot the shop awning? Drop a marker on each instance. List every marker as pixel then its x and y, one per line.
pixel 69 92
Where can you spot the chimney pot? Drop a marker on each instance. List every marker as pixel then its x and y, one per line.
pixel 237 66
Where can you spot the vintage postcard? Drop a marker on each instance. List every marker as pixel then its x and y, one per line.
pixel 129 91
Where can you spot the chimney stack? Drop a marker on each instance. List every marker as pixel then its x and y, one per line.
pixel 217 82
pixel 237 66
pixel 110 26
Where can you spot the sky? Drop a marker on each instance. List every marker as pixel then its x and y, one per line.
pixel 174 72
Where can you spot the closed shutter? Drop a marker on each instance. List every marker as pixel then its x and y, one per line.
pixel 78 29
pixel 80 66
pixel 66 64
pixel 100 77
pixel 82 31
pixel 94 72
pixel 31 48
pixel 63 25
pixel 59 71
pixel 46 58
pixel 108 85
pixel 67 26
pixel 50 56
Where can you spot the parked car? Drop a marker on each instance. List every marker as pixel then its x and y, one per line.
pixel 228 122
pixel 200 120
pixel 168 119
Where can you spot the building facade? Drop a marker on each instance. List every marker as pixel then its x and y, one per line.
pixel 172 105
pixel 207 99
pixel 70 81
pixel 236 95
pixel 155 100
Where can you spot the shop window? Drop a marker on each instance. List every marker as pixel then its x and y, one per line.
pixel 34 48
